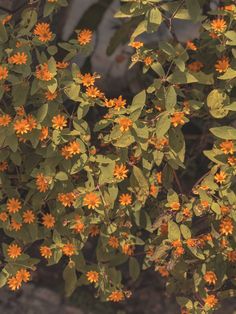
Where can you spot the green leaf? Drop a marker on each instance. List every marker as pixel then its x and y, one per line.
pixel 173 231
pixel 216 102
pixel 61 176
pixel 170 98
pixel 224 132
pixel 154 18
pixel 72 91
pixel 163 124
pixel 228 75
pixel 70 277
pixel 186 232
pixel 42 112
pixel 134 268
pixel 193 9
pixel 3 33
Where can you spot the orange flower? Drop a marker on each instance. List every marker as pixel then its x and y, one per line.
pixel 229 7
pixel 68 249
pixel 48 221
pixel 93 92
pixel 87 79
pixel 232 161
pixel 6 19
pixel 3 216
pixel 66 199
pixel 177 119
pixel 127 249
pixel 78 225
pixel 3 166
pixel 116 296
pixel 148 61
pixel 5 120
pixel 42 30
pixel 91 200
pixel 120 172
pixel 84 37
pixel 16 226
pixel 42 183
pixel 20 111
pixel 119 103
pixel 74 148
pixel 14 284
pixel 210 277
pixel 220 177
pixel 62 65
pixel 226 226
pixel 136 44
pixel 153 190
pixel 94 230
pixel 109 103
pixel 195 66
pixel 59 122
pixel 125 199
pixel 43 73
pixel 175 206
pixel 231 256
pixel 66 153
pixel 45 251
pixel 191 242
pixel 211 301
pixel 125 124
pixel 191 46
pixel 227 147
pixel 222 65
pixel 218 25
pixel 14 251
pixel 31 122
pixel 23 275
pixel 187 212
pixel 13 205
pixel 50 96
pixel 28 217
pixel 21 126
pixel 225 210
pixel 92 276
pixel 113 242
pixel 3 72
pixel 159 177
pixel 18 58
pixel 163 271
pixel 43 133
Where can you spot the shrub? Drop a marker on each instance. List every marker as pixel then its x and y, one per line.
pixel 103 194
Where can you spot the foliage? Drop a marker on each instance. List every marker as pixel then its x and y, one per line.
pixel 104 198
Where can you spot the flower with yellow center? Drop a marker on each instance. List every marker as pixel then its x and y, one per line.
pixel 210 301
pixel 120 172
pixel 84 37
pixel 42 30
pixel 92 200
pixel 45 251
pixel 43 73
pixel 191 46
pixel 119 103
pixel 68 249
pixel 14 283
pixel 226 226
pixel 87 79
pixel 42 182
pixel 222 65
pixel 210 277
pixel 74 148
pixel 66 199
pixel 125 124
pixel 125 199
pixel 218 25
pixel 116 296
pixel 21 126
pixel 23 275
pixel 19 58
pixel 5 120
pixel 48 220
pixel 93 92
pixel 227 147
pixel 28 217
pixel 177 119
pixel 14 251
pixel 3 72
pixel 220 177
pixel 92 276
pixel 59 122
pixel 13 205
pixel 43 133
pixel 175 206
